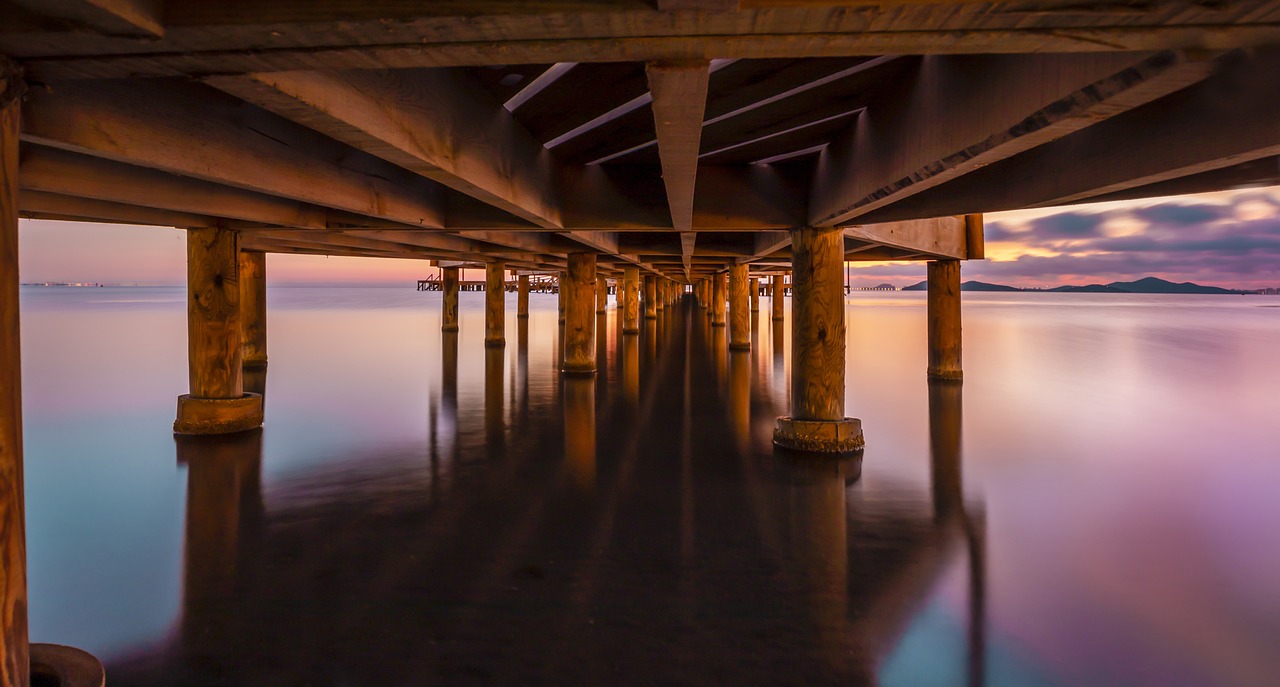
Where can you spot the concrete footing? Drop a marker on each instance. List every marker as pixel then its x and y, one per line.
pixel 54 665
pixel 819 436
pixel 218 415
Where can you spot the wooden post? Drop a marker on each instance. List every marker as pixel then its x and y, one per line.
pixel 718 297
pixel 217 403
pixel 495 304
pixel 650 297
pixel 522 296
pixel 631 300
pixel 580 321
pixel 561 278
pixel 13 544
pixel 776 296
pixel 659 293
pixel 739 313
pixel 755 294
pixel 944 320
pixel 449 304
pixel 602 294
pixel 817 422
pixel 253 308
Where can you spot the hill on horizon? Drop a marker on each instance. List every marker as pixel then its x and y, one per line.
pixel 1143 285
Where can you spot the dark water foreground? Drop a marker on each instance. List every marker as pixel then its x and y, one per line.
pixel 422 511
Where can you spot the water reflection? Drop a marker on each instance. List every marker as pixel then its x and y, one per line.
pixel 665 543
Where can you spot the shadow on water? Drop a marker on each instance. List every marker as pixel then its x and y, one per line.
pixel 645 533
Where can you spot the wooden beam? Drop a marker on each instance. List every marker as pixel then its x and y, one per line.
pixel 42 205
pixel 688 243
pixel 194 131
pixel 122 18
pixel 698 5
pixel 679 101
pixel 944 237
pixel 218 38
pixel 1217 124
pixel 52 171
pixel 994 107
pixel 438 123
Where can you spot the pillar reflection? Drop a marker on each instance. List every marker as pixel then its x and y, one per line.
pixel 740 399
pixel 493 398
pixel 522 368
pixel 580 430
pixel 224 520
pixel 946 420
pixel 817 530
pixel 631 371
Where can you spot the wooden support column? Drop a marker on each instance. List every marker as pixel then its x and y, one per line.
pixel 631 300
pixel 449 304
pixel 739 313
pixel 755 294
pixel 580 322
pixel 650 297
pixel 217 403
pixel 253 308
pixel 944 320
pixel 495 304
pixel 602 294
pixel 561 278
pixel 718 297
pixel 13 545
pixel 775 298
pixel 817 423
pixel 522 296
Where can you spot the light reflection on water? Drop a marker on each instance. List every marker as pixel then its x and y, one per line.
pixel 421 510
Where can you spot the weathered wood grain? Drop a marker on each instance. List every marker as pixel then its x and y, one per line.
pixel 754 290
pixel 14 668
pixel 495 304
pixel 253 308
pixel 213 313
pixel 944 320
pixel 579 325
pixel 679 100
pixel 817 325
pixel 631 300
pixel 777 292
pixel 739 309
pixel 602 294
pixel 449 301
pixel 719 296
pixel 522 296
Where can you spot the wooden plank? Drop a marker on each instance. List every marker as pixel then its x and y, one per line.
pixel 994 107
pixel 124 18
pixel 53 171
pixel 243 36
pixel 944 237
pixel 42 205
pixel 437 123
pixel 1216 124
pixel 679 100
pixel 13 546
pixel 195 131
pixel 698 5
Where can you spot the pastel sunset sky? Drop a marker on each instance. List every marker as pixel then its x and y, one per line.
pixel 1229 239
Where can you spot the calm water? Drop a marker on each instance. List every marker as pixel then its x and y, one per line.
pixel 1096 506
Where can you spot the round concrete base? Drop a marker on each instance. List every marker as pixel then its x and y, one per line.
pixel 819 436
pixel 253 362
pixel 739 347
pixel 448 327
pixel 630 331
pixel 218 415
pixel 578 370
pixel 495 343
pixel 53 665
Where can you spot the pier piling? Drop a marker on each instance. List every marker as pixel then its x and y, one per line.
pixel 739 313
pixel 449 302
pixel 817 423
pixel 580 321
pixel 944 321
pixel 495 305
pixel 718 298
pixel 253 308
pixel 522 296
pixel 631 300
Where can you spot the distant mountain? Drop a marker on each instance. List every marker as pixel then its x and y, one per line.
pixel 1155 285
pixel 965 286
pixel 1144 285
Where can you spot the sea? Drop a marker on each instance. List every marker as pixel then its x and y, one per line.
pixel 1095 505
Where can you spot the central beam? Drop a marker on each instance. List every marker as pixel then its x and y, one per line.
pixel 679 92
pixel 994 107
pixel 436 122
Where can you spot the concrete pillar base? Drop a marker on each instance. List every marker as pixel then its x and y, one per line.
pixel 253 362
pixel 819 436
pixel 495 343
pixel 448 327
pixel 64 666
pixel 578 370
pixel 738 346
pixel 218 415
pixel 955 376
